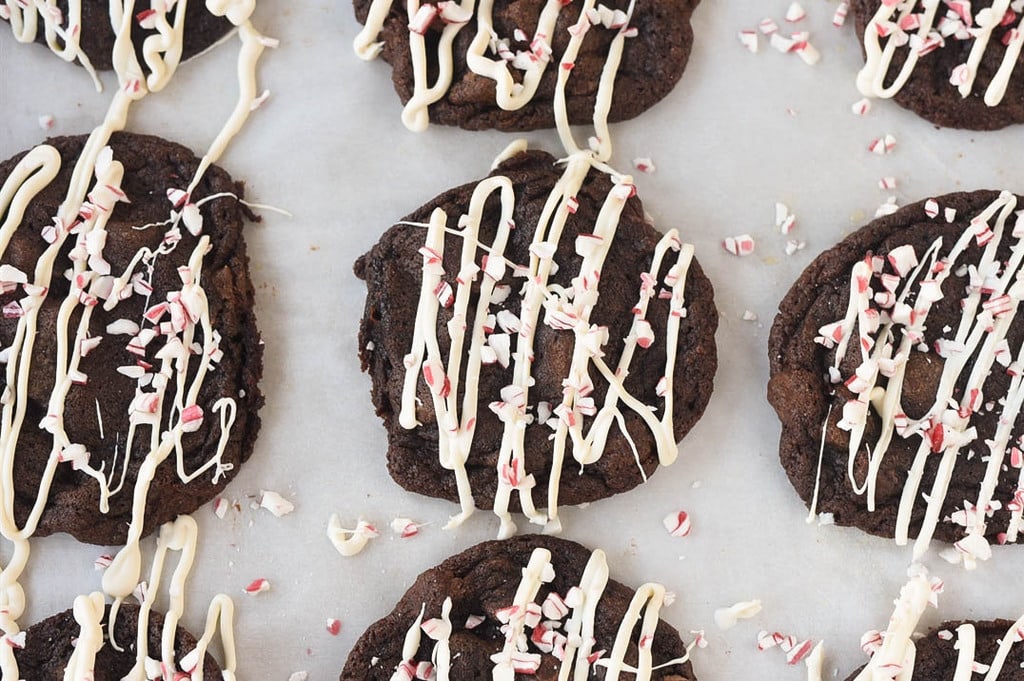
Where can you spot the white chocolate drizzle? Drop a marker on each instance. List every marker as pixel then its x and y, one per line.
pixel 531 629
pixel 896 657
pixel 516 75
pixel 189 331
pixel 890 300
pixel 921 27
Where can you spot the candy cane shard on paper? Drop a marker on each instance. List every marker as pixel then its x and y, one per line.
pixel 556 614
pixel 84 220
pixel 503 76
pixel 936 400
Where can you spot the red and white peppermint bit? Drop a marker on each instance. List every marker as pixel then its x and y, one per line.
pixel 768 26
pixel 739 245
pixel 47 121
pixel 749 316
pixel 887 208
pixel 275 503
pixel 473 621
pixel 839 17
pixel 15 640
pixel 257 586
pixel 405 527
pixel 644 165
pixel 961 75
pixel 871 641
pixel 748 38
pixel 945 634
pixel 799 651
pixel 102 562
pixel 931 208
pixel 677 523
pixel 795 13
pixel 861 107
pixel 698 638
pixel 220 507
pixel 423 18
pixel 887 182
pixel 807 52
pixel 333 626
pixel 554 607
pixel 882 145
pixel 784 218
pixel 766 640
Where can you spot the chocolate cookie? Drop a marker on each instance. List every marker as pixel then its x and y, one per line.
pixel 938 651
pixel 49 645
pixel 521 605
pixel 895 370
pixel 493 334
pixel 498 66
pixel 96 35
pixel 953 64
pixel 130 349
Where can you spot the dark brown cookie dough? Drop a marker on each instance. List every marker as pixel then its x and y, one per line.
pixel 936 658
pixel 202 29
pixel 393 274
pixel 801 391
pixel 928 92
pixel 652 63
pixel 49 645
pixel 152 166
pixel 482 580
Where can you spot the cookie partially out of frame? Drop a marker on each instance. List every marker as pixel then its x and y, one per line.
pixel 96 36
pixel 50 644
pixel 476 592
pixel 956 66
pixel 902 346
pixel 652 60
pixel 86 417
pixel 508 435
pixel 939 650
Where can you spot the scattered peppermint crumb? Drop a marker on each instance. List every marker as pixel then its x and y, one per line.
pixel 749 316
pixel 795 13
pixel 677 523
pixel 794 245
pixel 257 586
pixel 644 165
pixel 102 562
pixel 333 626
pixel 882 145
pixel 887 208
pixel 404 527
pixel 748 39
pixel 220 507
pixel 698 638
pixel 298 676
pixel 826 519
pixel 784 218
pixel 739 245
pixel 768 26
pixel 887 182
pixel 861 107
pixel 46 122
pixel 275 503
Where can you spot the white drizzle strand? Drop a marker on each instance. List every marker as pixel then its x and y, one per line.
pixel 897 656
pixel 489 54
pixel 921 27
pixel 183 319
pixel 531 629
pixel 890 300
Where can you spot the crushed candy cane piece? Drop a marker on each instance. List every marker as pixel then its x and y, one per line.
pixel 275 503
pixel 220 507
pixel 677 523
pixel 839 17
pixel 794 245
pixel 644 165
pixel 350 542
pixel 749 316
pixel 887 182
pixel 47 121
pixel 861 107
pixel 739 245
pixel 405 527
pixel 749 40
pixel 795 13
pixel 257 586
pixel 768 26
pixel 726 618
pixel 102 562
pixel 333 626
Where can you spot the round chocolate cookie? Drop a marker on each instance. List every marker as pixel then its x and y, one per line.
pixel 515 339
pixel 96 35
pixel 513 59
pixel 521 603
pixel 901 347
pixel 925 61
pixel 49 645
pixel 117 357
pixel 937 651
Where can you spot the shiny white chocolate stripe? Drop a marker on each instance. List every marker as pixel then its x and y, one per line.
pixel 872 78
pixel 571 306
pixel 38 169
pixel 976 341
pixel 25 26
pixel 896 657
pixel 511 92
pixel 645 607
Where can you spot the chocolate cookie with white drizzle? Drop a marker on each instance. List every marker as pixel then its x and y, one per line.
pixel 84 30
pixel 533 341
pixel 896 372
pixel 495 64
pixel 956 64
pixel 529 607
pixel 131 355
